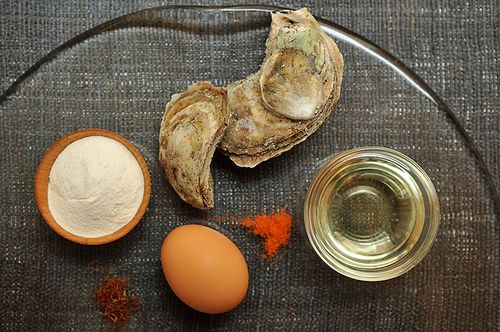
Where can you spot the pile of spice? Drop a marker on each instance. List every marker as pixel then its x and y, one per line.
pixel 273 228
pixel 116 303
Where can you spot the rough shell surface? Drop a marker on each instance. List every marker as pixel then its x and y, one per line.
pixel 193 124
pixel 292 94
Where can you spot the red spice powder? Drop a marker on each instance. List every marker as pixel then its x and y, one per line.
pixel 273 228
pixel 114 299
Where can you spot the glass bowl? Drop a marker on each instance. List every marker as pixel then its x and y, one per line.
pixel 371 213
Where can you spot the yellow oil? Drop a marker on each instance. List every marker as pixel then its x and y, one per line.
pixel 369 213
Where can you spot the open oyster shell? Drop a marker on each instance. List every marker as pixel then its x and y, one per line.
pixel 291 95
pixel 193 124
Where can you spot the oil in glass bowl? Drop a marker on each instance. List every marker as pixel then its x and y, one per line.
pixel 371 213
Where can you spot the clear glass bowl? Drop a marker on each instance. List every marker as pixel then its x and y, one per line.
pixel 371 213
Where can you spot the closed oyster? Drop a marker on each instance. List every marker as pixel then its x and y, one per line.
pixel 291 95
pixel 193 124
pixel 269 112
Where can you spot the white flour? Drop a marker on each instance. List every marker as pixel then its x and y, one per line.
pixel 95 187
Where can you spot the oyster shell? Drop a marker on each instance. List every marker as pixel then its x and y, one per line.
pixel 193 124
pixel 291 95
pixel 267 113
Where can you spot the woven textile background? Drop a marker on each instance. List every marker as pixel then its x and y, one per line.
pixel 121 79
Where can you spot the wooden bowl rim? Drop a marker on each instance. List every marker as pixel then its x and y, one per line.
pixel 42 182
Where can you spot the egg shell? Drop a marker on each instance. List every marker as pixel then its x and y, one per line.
pixel 204 268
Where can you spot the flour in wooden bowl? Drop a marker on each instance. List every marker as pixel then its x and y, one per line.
pixel 95 187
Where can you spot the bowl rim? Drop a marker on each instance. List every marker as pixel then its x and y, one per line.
pixel 408 261
pixel 42 183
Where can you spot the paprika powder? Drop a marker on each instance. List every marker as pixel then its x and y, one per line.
pixel 273 228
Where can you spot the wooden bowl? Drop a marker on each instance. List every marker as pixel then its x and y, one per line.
pixel 42 185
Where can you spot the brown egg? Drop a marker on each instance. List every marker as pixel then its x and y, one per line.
pixel 204 268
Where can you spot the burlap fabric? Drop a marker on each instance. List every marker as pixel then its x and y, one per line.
pixel 121 79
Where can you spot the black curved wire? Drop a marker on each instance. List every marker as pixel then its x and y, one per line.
pixel 331 28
